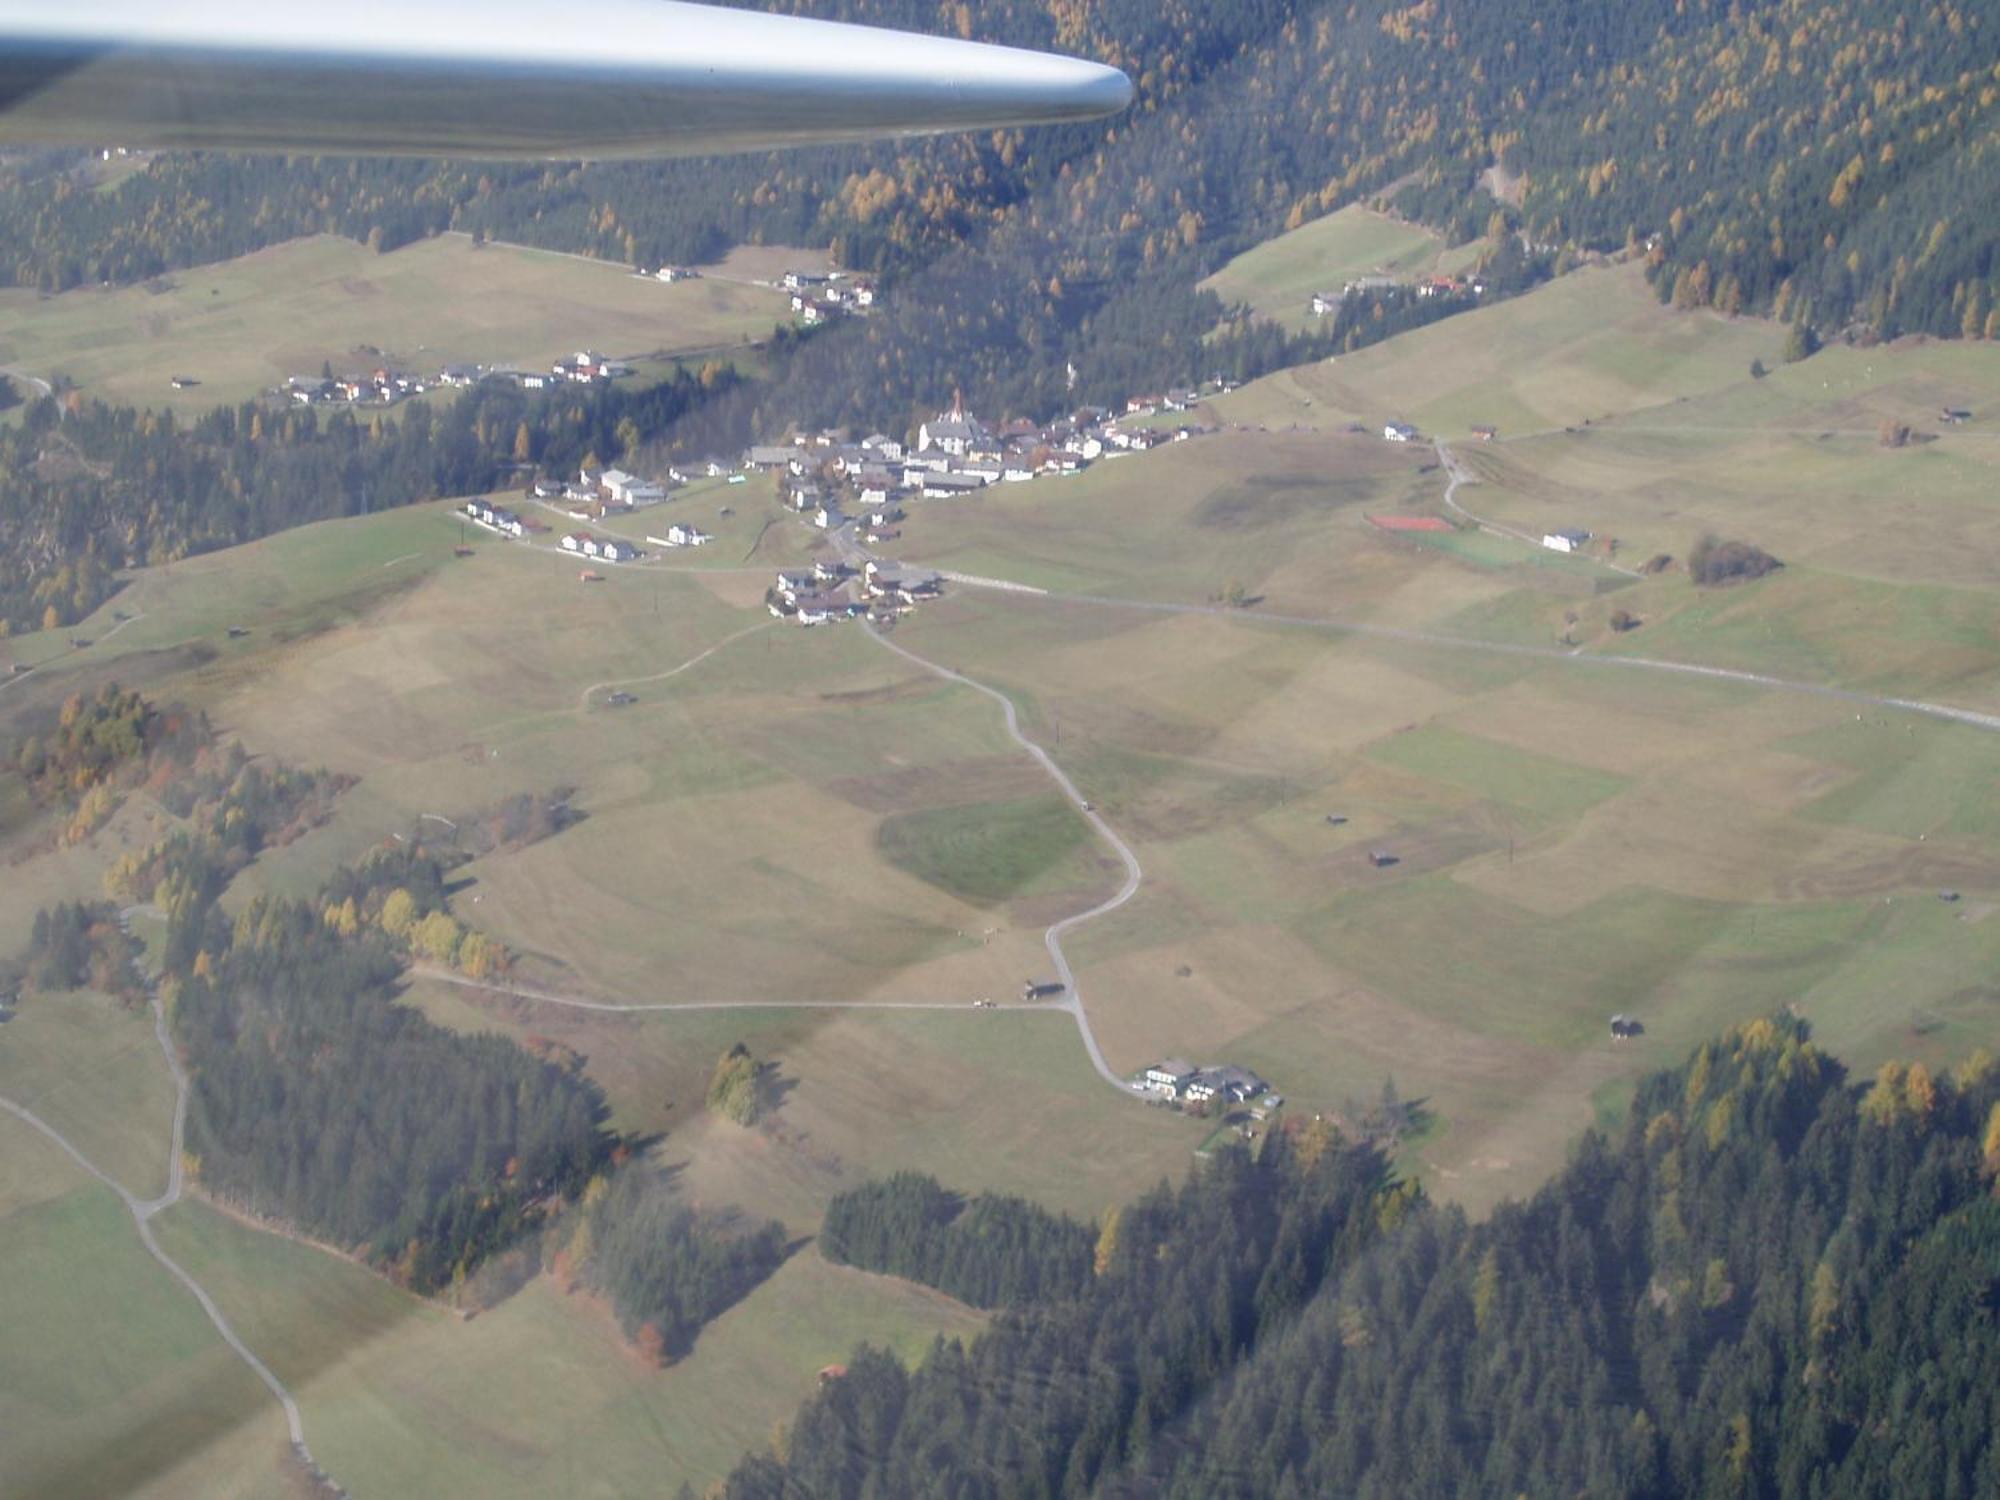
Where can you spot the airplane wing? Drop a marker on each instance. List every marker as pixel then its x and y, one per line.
pixel 538 79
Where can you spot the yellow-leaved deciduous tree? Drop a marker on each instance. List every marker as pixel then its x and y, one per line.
pixel 1107 1242
pixel 399 913
pixel 481 957
pixel 438 937
pixel 1485 1288
pixel 344 918
pixel 1825 1304
pixel 1990 1144
pixel 1884 1100
pixel 1919 1091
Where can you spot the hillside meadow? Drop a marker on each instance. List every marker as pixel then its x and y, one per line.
pixel 246 325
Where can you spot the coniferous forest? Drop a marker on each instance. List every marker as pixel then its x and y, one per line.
pixel 1774 1281
pixel 994 1251
pixel 87 489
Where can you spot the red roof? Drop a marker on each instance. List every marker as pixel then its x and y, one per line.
pixel 1410 523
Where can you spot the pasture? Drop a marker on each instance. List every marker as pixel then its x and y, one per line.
pixel 111 1379
pixel 246 325
pixel 1278 278
pixel 540 1394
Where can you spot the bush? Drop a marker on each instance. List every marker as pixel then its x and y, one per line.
pixel 1715 562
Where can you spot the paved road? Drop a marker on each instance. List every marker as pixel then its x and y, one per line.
pixel 1072 1000
pixel 143 1210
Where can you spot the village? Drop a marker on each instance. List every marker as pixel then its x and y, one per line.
pixel 817 298
pixel 854 492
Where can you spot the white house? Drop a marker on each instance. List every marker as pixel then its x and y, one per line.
pixel 614 550
pixel 1233 1085
pixel 1565 541
pixel 1325 304
pixel 1169 1076
pixel 828 517
pixel 949 485
pixel 573 542
pixel 1399 432
pixel 681 535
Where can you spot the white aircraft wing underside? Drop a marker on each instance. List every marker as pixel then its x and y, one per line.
pixel 595 79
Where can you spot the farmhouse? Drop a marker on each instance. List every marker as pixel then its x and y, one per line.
pixel 681 535
pixel 1231 1084
pixel 586 367
pixel 951 484
pixel 1169 1076
pixel 770 456
pixel 611 549
pixel 1565 541
pixel 819 609
pixel 1325 304
pixel 621 488
pixel 1399 432
pixel 896 583
pixel 794 582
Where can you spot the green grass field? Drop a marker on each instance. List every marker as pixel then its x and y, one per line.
pixel 989 852
pixel 248 324
pixel 92 1068
pixel 111 1379
pixel 1277 279
pixel 539 1395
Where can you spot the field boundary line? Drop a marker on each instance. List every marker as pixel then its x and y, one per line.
pixel 668 1007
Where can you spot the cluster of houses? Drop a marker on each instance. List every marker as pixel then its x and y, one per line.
pixel 608 549
pixel 496 518
pixel 1221 1086
pixel 820 297
pixel 585 367
pixel 831 590
pixel 381 386
pixel 956 454
pixel 1328 304
pixel 599 492
pixel 385 387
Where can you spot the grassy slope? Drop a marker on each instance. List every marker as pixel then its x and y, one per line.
pixel 1277 279
pixel 248 324
pixel 111 1379
pixel 539 1395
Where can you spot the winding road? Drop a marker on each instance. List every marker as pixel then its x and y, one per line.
pixel 1071 1000
pixel 143 1210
